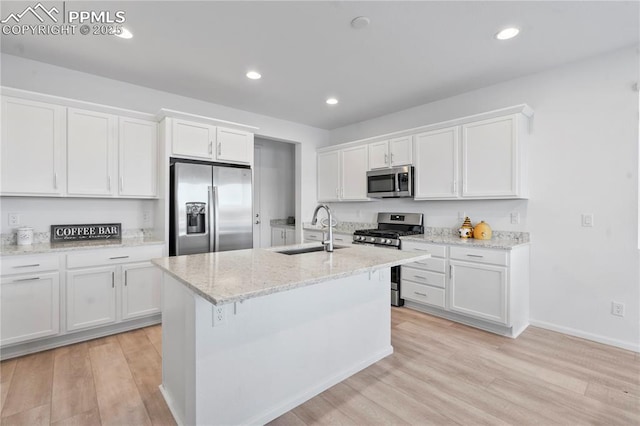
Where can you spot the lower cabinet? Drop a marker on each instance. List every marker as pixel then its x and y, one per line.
pixel 281 236
pixel 486 288
pixel 91 297
pixel 29 307
pixel 141 292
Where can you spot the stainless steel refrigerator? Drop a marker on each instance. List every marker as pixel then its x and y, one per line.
pixel 211 208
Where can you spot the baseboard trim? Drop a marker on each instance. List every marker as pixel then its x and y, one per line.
pixel 171 405
pixel 588 336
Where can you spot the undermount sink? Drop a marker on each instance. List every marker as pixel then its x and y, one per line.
pixel 306 250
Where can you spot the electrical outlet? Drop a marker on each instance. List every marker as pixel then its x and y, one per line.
pixel 515 218
pixel 146 217
pixel 587 220
pixel 219 315
pixel 14 219
pixel 617 309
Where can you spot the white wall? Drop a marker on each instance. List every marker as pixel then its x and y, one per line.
pixel 583 159
pixel 276 171
pixel 39 77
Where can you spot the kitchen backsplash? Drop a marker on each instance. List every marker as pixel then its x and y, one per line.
pixel 45 237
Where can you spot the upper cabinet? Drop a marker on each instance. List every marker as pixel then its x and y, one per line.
pixel 91 153
pixel 485 159
pixel 342 174
pixel 54 150
pixel 138 158
pixel 203 141
pixel 32 148
pixel 390 153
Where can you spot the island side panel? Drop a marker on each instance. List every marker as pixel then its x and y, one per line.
pixel 178 350
pixel 282 349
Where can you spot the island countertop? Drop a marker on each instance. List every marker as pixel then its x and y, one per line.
pixel 233 276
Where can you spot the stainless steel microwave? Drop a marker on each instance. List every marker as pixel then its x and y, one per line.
pixel 395 182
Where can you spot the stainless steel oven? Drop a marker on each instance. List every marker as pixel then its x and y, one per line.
pixel 391 226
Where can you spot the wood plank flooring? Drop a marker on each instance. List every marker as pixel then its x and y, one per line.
pixel 441 373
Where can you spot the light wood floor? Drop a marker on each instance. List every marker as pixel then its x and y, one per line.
pixel 441 373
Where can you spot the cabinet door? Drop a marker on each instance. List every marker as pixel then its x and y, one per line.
pixel 91 297
pixel 91 152
pixel 489 158
pixel 328 183
pixel 479 291
pixel 138 157
pixel 234 146
pixel 32 148
pixel 191 139
pixel 379 155
pixel 289 236
pixel 277 237
pixel 354 173
pixel 141 290
pixel 401 151
pixel 436 164
pixel 29 307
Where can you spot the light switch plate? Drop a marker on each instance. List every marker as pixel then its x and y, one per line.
pixel 587 220
pixel 515 218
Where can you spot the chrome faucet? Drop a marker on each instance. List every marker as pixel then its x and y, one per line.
pixel 328 244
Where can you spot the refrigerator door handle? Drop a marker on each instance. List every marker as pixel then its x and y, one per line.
pixel 213 219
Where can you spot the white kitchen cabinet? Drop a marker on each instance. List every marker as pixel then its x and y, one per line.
pixel 32 150
pixel 328 176
pixel 91 297
pixel 342 239
pixel 436 168
pixel 353 173
pixel 29 307
pixel 282 236
pixel 138 158
pixel 425 281
pixel 484 288
pixel 141 291
pixel 234 146
pixel 193 140
pixel 91 153
pixel 342 174
pixel 390 153
pixel 311 236
pixel 494 159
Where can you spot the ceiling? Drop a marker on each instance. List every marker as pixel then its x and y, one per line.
pixel 412 53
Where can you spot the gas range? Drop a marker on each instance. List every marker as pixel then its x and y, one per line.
pixel 391 226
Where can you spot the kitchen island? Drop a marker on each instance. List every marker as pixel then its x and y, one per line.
pixel 250 334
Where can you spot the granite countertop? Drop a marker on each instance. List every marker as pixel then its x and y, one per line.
pixel 340 227
pixel 502 243
pixel 282 223
pixel 232 276
pixel 40 248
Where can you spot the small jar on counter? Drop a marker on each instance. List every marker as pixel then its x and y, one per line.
pixel 24 236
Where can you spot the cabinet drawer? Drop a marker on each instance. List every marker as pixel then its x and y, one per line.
pixel 113 256
pixel 422 277
pixel 313 235
pixel 433 249
pixel 29 264
pixel 422 293
pixel 434 264
pixel 343 239
pixel 496 257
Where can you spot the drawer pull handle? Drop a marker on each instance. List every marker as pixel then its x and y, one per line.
pixel 113 280
pixel 118 257
pixel 27 266
pixel 475 255
pixel 125 278
pixel 26 279
pixel 420 294
pixel 419 249
pixel 419 277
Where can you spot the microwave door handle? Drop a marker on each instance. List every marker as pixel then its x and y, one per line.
pixel 397 179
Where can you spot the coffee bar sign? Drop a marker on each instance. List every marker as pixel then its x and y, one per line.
pixel 100 231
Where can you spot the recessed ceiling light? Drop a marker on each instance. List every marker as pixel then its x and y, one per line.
pixel 332 101
pixel 125 33
pixel 507 33
pixel 360 22
pixel 253 75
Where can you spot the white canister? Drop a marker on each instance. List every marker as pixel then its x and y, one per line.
pixel 25 236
